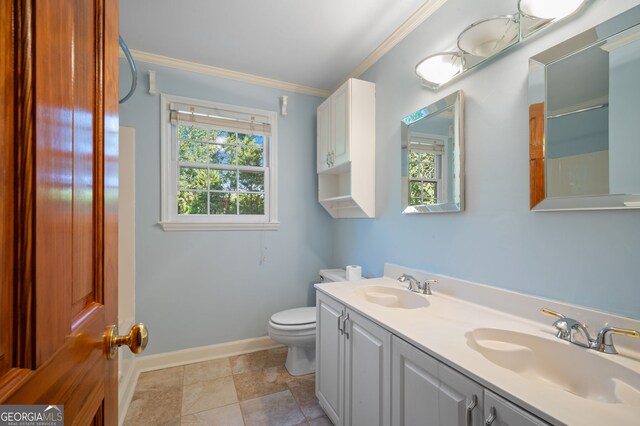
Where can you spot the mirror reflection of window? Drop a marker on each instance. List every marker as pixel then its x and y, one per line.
pixel 426 161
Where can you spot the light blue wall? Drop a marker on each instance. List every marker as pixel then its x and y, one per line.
pixel 587 258
pixel 201 288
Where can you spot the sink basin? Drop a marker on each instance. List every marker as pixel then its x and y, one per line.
pixel 392 297
pixel 580 371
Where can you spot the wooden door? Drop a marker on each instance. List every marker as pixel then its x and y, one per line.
pixel 536 154
pixel 58 205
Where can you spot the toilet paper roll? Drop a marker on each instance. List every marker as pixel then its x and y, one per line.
pixel 354 272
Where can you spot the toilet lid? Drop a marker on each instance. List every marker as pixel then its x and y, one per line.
pixel 297 316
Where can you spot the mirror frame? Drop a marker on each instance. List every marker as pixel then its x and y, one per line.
pixel 455 101
pixel 537 139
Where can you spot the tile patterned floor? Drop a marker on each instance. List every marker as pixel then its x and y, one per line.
pixel 246 390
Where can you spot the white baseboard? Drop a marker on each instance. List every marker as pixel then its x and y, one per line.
pixel 141 364
pixel 126 388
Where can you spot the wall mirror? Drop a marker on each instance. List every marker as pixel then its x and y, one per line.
pixel 584 119
pixel 432 153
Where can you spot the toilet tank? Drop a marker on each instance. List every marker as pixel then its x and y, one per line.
pixel 331 275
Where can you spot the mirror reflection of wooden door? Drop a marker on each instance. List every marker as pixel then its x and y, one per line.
pixel 58 204
pixel 536 154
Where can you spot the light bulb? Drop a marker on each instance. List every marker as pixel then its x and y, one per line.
pixel 549 9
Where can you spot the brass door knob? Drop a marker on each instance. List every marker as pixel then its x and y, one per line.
pixel 136 340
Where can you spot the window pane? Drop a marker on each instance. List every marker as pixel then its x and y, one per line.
pixel 430 192
pixel 415 190
pixel 195 133
pixel 222 180
pixel 251 203
pixel 194 152
pixel 414 165
pixel 190 202
pixel 223 154
pixel 249 156
pixel 251 181
pixel 427 167
pixel 250 140
pixel 223 203
pixel 192 178
pixel 415 202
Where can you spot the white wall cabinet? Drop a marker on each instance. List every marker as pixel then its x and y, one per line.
pixel 346 150
pixel 353 366
pixel 365 376
pixel 427 392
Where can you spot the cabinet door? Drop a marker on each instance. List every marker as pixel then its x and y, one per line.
pixel 367 372
pixel 500 412
pixel 329 357
pixel 415 386
pixel 341 118
pixel 324 135
pixel 460 399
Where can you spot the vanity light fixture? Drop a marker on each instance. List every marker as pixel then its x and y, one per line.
pixel 549 9
pixel 439 68
pixel 487 38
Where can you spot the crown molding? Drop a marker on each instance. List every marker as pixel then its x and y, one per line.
pixel 418 17
pixel 180 64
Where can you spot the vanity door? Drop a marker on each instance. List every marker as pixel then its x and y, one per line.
pixel 330 357
pixel 367 372
pixel 425 392
pixel 500 412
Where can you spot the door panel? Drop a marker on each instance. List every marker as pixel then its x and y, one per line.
pixel 416 386
pixel 367 372
pixel 329 357
pixel 59 194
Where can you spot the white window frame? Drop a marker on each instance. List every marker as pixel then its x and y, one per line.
pixel 170 220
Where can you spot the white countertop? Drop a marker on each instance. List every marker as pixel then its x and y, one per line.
pixel 439 329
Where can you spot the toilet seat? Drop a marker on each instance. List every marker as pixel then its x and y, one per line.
pixel 297 319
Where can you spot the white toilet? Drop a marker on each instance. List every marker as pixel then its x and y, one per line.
pixel 296 328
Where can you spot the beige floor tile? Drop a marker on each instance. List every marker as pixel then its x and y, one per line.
pixel 275 409
pixel 257 361
pixel 160 379
pixel 208 370
pixel 255 384
pixel 229 415
pixel 154 407
pixel 202 396
pixel 304 391
pixel 321 421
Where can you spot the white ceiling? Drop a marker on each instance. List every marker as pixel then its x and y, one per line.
pixel 311 43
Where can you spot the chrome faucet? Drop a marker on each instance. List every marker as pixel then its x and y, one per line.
pixel 416 286
pixel 566 329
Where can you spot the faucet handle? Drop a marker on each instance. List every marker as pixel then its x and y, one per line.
pixel 551 313
pixel 604 342
pixel 413 283
pixel 426 287
pixel 563 324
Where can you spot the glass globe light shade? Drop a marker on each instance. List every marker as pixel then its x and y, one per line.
pixel 439 68
pixel 549 9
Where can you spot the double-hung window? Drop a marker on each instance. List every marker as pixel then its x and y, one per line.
pixel 218 166
pixel 427 161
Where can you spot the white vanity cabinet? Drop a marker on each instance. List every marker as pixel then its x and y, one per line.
pixel 426 392
pixel 500 412
pixel 346 150
pixel 353 366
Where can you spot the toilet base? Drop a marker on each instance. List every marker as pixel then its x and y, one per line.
pixel 301 360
